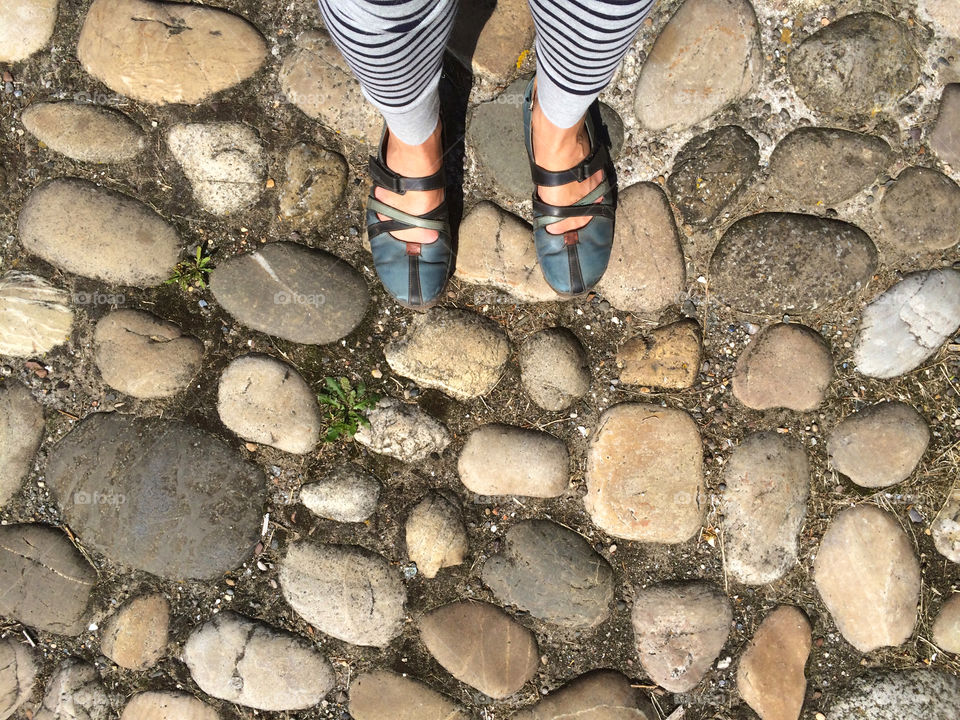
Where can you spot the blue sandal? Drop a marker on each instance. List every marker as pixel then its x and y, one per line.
pixel 573 262
pixel 415 274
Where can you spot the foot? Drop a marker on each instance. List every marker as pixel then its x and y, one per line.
pixel 557 149
pixel 413 161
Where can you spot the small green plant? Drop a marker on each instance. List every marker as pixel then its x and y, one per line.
pixel 345 406
pixel 193 271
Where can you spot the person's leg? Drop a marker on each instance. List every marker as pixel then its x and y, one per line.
pixel 395 49
pixel 579 45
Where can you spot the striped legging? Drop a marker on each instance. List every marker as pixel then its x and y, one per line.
pixel 395 48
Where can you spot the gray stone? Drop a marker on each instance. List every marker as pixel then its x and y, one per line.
pixel 680 629
pixel 21 430
pixel 423 353
pixel 435 534
pixel 879 446
pixel 135 637
pixel 48 582
pixel 902 694
pixel 266 401
pixel 224 162
pixel 598 695
pixel 293 292
pixel 945 136
pixel 765 501
pixel 770 676
pixel 35 316
pixel 867 573
pixel 482 646
pixel 857 65
pixel 75 692
pixel 821 167
pixel 945 528
pixel 25 28
pixel 776 262
pixel 552 573
pixel 647 271
pixel 347 494
pixel 946 628
pixel 908 323
pixel 384 695
pixel 920 211
pixel 706 57
pixel 667 357
pixel 252 664
pixel 314 184
pixel 88 133
pixel 710 171
pixel 18 672
pixel 786 365
pixel 157 495
pixel 645 474
pixel 554 368
pixel 146 357
pixel 344 591
pixel 162 52
pixel 167 706
pixel 99 233
pixel 402 431
pixel 507 460
pixel 491 37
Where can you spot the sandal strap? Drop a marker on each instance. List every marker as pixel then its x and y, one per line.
pixel 436 219
pixel 547 214
pixel 598 159
pixel 389 180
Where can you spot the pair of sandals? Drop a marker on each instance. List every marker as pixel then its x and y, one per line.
pixel 415 274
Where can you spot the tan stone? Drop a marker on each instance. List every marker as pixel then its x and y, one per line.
pixel 946 628
pixel 598 695
pixel 167 706
pixel 491 35
pixel 314 184
pixel 771 674
pixel 435 534
pixel 508 460
pixel 383 695
pixel 945 136
pixel 18 672
pixel 35 316
pixel 21 430
pixel 83 132
pixel 25 27
pixel 667 357
pixel 554 368
pixel 136 636
pixel 945 15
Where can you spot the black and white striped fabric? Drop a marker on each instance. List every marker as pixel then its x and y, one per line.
pixel 395 48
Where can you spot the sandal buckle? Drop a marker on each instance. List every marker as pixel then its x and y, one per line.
pixel 385 177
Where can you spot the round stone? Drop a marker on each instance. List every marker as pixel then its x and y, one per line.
pixel 869 578
pixel 508 460
pixel 167 706
pixel 857 65
pixel 765 501
pixel 88 133
pixel 21 430
pixel 435 534
pixel 706 57
pixel 98 233
pixel 770 677
pixel 680 629
pixel 946 628
pixel 162 52
pixel 347 494
pixel 344 591
pixel 249 663
pixel 554 368
pixel 35 316
pixel 48 582
pixel 786 365
pixel 135 637
pixel 314 184
pixel 402 431
pixel 141 355
pixel 598 695
pixel 880 445
pixel 157 495
pixel 482 646
pixel 266 401
pixel 921 211
pixel 424 356
pixel 908 323
pixel 25 28
pixel 945 138
pixel 293 292
pixel 644 474
pixel 384 695
pixel 946 527
pixel 779 262
pixel 551 573
pixel 667 357
pixel 902 694
pixel 18 672
pixel 75 692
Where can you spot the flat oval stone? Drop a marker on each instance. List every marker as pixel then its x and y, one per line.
pixel 946 527
pixel 680 629
pixel 403 431
pixel 908 323
pixel 920 211
pixel 167 706
pixel 946 628
pixel 88 133
pixel 902 694
pixel 18 672
pixel 25 28
pixel 775 262
pixel 945 136
pixel 292 292
pixel 508 460
pixel 880 445
pixel 35 316
pixel 706 57
pixel 344 591
pixel 158 495
pixel 162 52
pixel 554 368
pixel 136 636
pixel 252 664
pixel 770 676
pixel 598 695
pixel 869 578
pixel 482 646
pixel 435 534
pixel 347 494
pixel 645 474
pixel 48 582
pixel 98 233
pixel 75 692
pixel 767 486
pixel 146 357
pixel 423 353
pixel 856 65
pixel 552 573
pixel 21 430
pixel 384 695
